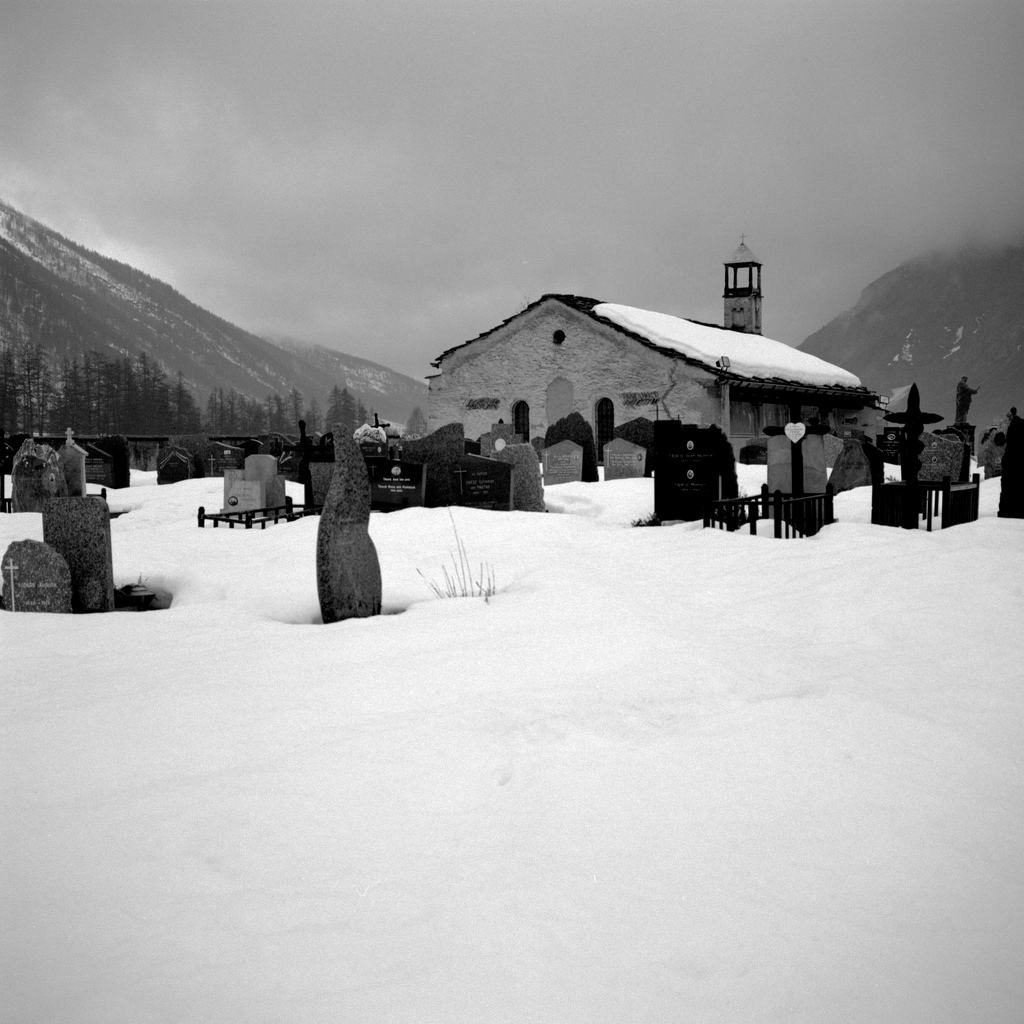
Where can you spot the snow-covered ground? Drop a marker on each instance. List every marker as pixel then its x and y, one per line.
pixel 663 775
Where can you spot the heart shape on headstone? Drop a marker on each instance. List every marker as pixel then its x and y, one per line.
pixel 795 431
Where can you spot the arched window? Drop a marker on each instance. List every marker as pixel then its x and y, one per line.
pixel 605 425
pixel 521 420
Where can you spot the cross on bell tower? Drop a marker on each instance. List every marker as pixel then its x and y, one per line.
pixel 742 295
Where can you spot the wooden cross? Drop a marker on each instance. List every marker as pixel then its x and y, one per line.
pixel 12 567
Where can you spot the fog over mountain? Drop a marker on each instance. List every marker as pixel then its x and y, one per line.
pixel 933 320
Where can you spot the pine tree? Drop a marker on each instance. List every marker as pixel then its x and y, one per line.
pixel 417 425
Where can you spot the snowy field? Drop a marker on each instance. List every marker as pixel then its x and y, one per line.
pixel 663 775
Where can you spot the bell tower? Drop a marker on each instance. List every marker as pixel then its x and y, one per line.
pixel 742 296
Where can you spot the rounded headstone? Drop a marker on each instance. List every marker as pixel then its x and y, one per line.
pixel 35 578
pixel 527 489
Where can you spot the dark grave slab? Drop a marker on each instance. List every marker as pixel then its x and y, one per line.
pixel 482 483
pixel 373 449
pixel 888 443
pixel 99 466
pixel 79 530
pixel 755 453
pixel 35 477
pixel 692 466
pixel 222 457
pixel 527 489
pixel 1011 487
pixel 35 578
pixel 623 460
pixel 563 463
pixel 471 447
pixel 173 464
pixel 395 484
pixel 440 452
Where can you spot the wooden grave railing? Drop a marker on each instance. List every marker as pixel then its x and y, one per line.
pixel 251 517
pixel 790 517
pixel 954 504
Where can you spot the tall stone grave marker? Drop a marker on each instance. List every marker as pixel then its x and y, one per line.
pixel 563 463
pixel 35 578
pixel 527 489
pixel 320 476
pixel 692 466
pixel 241 495
pixel 944 456
pixel 35 477
pixel 623 460
pixel 263 468
pixel 348 578
pixel 860 464
pixel 72 465
pixel 79 530
pixel 796 460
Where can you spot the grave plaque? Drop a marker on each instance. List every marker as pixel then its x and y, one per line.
pixel 483 483
pixel 692 466
pixel 943 456
pixel 35 578
pixel 623 459
pixel 241 495
pixel 221 457
pixel 373 448
pixel 173 464
pixel 79 530
pixel 395 484
pixel 563 463
pixel 99 466
pixel 888 443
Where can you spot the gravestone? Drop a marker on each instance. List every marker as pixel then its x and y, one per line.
pixel 889 442
pixel 72 465
pixel 35 578
pixel 264 469
pixel 373 448
pixel 471 447
pixel 115 448
pixel 395 484
pixel 79 530
pixel 834 447
pixel 1011 488
pixel 482 483
pixel 943 456
pixel 787 456
pixel 440 452
pixel 575 428
pixel 348 581
pixel 692 466
pixel 623 460
pixel 173 464
pixel 639 431
pixel 35 477
pixel 320 476
pixel 222 457
pixel 99 466
pixel 500 435
pixel 860 464
pixel 242 495
pixel 990 451
pixel 563 463
pixel 527 489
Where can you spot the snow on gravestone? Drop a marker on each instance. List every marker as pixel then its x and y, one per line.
pixel 563 463
pixel 348 581
pixel 79 530
pixel 623 459
pixel 35 578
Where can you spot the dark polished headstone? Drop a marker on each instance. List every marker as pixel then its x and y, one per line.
pixel 440 451
pixel 35 578
pixel 693 466
pixel 395 484
pixel 482 483
pixel 173 464
pixel 79 530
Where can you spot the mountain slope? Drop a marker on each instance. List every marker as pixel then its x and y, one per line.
pixel 933 320
pixel 69 300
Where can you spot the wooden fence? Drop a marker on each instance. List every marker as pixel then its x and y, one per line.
pixel 789 517
pixel 952 504
pixel 251 517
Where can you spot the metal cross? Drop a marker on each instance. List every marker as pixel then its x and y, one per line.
pixel 743 239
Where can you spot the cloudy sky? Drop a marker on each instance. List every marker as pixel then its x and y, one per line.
pixel 394 177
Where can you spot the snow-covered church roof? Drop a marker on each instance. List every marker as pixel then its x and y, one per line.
pixel 751 356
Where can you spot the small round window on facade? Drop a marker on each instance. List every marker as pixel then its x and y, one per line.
pixel 558 337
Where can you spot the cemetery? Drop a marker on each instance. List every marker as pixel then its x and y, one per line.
pixel 314 693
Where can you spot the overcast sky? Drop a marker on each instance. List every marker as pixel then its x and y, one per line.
pixel 393 178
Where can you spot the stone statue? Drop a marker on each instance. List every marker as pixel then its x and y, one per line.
pixel 963 400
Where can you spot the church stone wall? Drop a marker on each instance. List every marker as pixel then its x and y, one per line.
pixel 480 383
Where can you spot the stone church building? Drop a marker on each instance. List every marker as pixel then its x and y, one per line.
pixel 612 363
